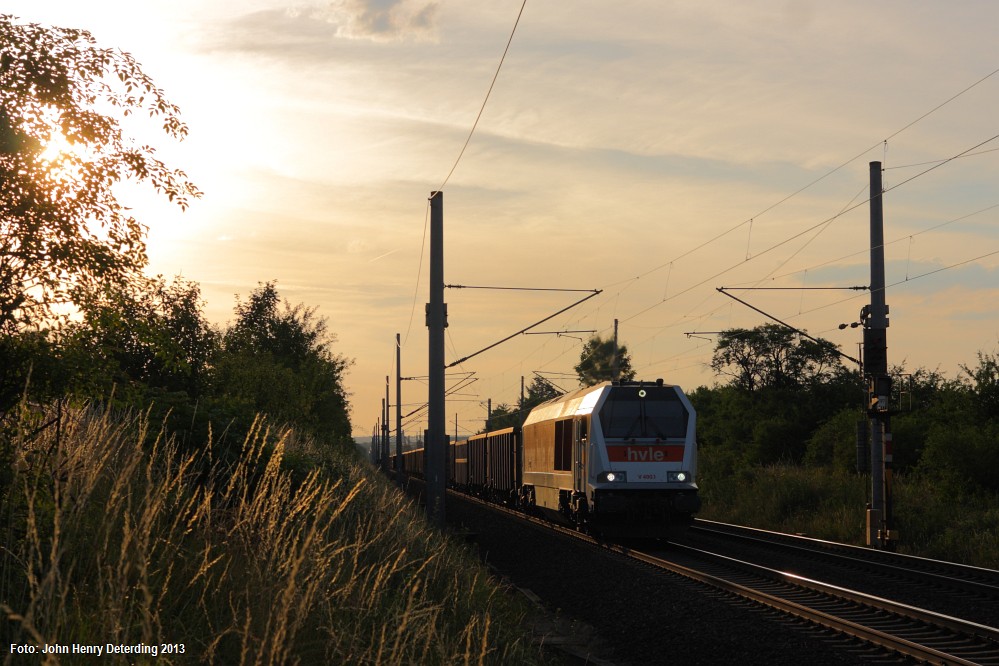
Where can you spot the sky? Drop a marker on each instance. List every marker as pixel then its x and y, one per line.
pixel 653 150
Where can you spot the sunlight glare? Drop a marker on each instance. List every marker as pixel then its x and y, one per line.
pixel 56 147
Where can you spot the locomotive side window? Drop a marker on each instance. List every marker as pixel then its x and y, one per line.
pixel 563 445
pixel 643 411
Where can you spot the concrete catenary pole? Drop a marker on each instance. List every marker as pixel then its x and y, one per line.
pixel 398 410
pixel 383 435
pixel 615 366
pixel 880 533
pixel 435 454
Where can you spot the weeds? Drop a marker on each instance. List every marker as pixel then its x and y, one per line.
pixel 116 537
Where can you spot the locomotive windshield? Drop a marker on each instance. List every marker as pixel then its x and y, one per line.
pixel 643 411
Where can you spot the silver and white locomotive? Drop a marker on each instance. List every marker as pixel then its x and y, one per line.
pixel 618 459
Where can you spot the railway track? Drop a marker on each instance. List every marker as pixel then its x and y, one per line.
pixel 904 629
pixel 920 634
pixel 971 593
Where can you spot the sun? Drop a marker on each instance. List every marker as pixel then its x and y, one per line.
pixel 56 147
pixel 61 161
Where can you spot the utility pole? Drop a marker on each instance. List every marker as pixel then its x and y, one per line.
pixel 615 368
pixel 398 411
pixel 875 319
pixel 435 454
pixel 385 429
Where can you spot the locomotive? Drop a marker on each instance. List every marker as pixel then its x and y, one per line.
pixel 618 460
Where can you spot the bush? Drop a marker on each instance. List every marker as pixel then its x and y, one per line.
pixel 965 456
pixel 834 443
pixel 829 503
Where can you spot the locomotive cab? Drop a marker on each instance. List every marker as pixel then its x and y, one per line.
pixel 643 464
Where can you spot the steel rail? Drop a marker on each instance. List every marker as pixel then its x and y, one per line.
pixel 952 575
pixel 929 618
pixel 870 635
pixel 809 614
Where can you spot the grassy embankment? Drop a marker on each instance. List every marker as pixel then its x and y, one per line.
pixel 290 554
pixel 934 520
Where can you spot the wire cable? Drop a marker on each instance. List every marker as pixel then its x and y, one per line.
pixel 419 273
pixel 944 103
pixel 819 179
pixel 488 93
pixel 907 280
pixel 866 251
pixel 824 224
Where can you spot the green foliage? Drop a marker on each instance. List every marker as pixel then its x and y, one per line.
pixel 831 444
pixel 596 362
pixel 540 390
pixel 824 503
pixel 829 503
pixel 63 231
pixel 506 416
pixel 963 456
pixel 278 361
pixel 985 385
pixel 777 439
pixel 30 362
pixel 782 388
pixel 148 333
pixel 778 410
pixel 774 357
pixel 945 449
pixel 935 522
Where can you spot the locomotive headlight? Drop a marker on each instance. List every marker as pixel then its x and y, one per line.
pixel 612 477
pixel 678 477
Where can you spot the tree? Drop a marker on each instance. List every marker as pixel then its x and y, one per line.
pixel 505 416
pixel 985 384
pixel 539 391
pixel 774 357
pixel 63 230
pixel 146 335
pixel 597 360
pixel 783 387
pixel 280 362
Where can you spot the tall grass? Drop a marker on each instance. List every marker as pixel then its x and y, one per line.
pixel 116 535
pixel 829 503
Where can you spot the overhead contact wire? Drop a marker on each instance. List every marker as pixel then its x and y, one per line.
pixel 488 93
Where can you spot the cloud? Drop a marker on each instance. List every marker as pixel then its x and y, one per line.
pixel 382 20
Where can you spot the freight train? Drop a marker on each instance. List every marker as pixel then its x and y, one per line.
pixel 618 460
